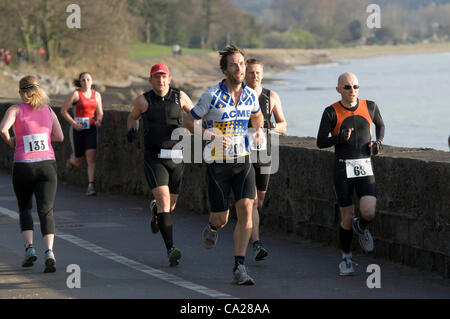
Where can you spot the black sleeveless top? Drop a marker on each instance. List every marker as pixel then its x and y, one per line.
pixel 163 115
pixel 264 104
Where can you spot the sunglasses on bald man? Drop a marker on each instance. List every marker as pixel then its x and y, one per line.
pixel 348 87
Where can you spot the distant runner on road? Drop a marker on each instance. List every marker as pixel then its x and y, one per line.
pixel 87 105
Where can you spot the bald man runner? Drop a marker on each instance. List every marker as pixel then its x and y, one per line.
pixel 350 122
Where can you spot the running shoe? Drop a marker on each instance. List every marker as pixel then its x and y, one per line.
pixel 174 255
pixel 209 237
pixel 346 267
pixel 259 252
pixel 241 277
pixel 154 219
pixel 365 238
pixel 50 261
pixel 90 190
pixel 30 257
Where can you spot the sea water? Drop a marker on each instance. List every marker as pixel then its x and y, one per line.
pixel 411 91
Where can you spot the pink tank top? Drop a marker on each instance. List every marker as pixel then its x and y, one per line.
pixel 33 129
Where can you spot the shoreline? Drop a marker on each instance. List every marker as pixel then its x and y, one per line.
pixel 196 73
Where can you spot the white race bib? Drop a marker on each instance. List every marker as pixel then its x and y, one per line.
pixel 84 121
pixel 172 154
pixel 35 143
pixel 254 146
pixel 358 167
pixel 237 147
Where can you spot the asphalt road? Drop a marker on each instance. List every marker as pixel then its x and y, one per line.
pixel 108 237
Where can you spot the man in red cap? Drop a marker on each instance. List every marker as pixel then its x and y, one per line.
pixel 161 110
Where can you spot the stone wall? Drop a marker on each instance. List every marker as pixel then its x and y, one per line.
pixel 412 223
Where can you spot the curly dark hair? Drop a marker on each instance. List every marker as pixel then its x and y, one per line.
pixel 229 50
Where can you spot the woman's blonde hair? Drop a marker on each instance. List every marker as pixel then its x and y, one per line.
pixel 31 93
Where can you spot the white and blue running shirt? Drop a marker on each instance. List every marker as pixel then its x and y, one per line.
pixel 219 112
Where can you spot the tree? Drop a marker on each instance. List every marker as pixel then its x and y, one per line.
pixel 154 13
pixel 208 18
pixel 175 30
pixel 384 35
pixel 355 30
pixel 42 25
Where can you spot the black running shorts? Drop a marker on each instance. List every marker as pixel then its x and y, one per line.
pixel 262 180
pixel 160 172
pixel 84 140
pixel 344 186
pixel 222 177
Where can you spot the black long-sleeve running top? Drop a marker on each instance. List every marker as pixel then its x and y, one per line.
pixel 336 118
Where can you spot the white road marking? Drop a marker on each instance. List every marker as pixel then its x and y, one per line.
pixel 131 263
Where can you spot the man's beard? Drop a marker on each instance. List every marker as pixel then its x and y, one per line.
pixel 235 80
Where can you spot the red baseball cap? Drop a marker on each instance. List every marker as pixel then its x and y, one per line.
pixel 159 68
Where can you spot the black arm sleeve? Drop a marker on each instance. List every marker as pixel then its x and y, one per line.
pixel 378 121
pixel 326 125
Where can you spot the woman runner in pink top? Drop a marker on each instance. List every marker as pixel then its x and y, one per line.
pixel 35 126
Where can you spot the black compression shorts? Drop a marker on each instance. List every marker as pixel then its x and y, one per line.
pixel 84 140
pixel 160 172
pixel 262 180
pixel 221 177
pixel 344 186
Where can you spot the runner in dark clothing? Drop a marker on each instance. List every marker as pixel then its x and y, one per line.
pixel 270 104
pixel 161 110
pixel 350 122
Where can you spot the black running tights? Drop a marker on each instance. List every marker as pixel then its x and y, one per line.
pixel 40 179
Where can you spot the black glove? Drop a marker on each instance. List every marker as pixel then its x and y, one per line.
pixel 376 147
pixel 132 135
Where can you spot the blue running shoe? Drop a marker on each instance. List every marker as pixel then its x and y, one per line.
pixel 346 267
pixel 50 261
pixel 365 237
pixel 30 257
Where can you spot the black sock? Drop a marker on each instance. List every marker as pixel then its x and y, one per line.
pixel 363 222
pixel 165 226
pixel 212 227
pixel 255 243
pixel 238 260
pixel 346 236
